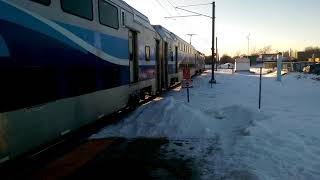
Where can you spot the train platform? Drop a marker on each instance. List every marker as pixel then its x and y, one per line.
pixel 111 158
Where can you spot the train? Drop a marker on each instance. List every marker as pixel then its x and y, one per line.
pixel 64 64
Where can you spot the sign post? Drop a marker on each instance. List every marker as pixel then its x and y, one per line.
pixel 260 87
pixel 188 92
pixel 279 66
pixel 187 83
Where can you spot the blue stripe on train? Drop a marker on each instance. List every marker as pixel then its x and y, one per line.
pixel 41 69
pixel 111 45
pixel 41 65
pixel 14 15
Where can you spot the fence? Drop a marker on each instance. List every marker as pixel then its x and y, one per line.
pixel 288 66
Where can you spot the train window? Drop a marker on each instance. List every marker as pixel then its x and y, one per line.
pixel 44 2
pixel 147 53
pixel 108 14
pixel 171 55
pixel 123 18
pixel 81 8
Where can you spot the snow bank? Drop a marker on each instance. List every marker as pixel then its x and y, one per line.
pixel 166 118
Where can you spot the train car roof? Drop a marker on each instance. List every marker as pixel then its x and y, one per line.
pixel 165 33
pixel 138 16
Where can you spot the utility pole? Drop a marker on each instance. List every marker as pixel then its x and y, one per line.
pixel 191 37
pixel 248 37
pixel 213 81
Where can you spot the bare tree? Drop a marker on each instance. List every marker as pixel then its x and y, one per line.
pixel 312 50
pixel 265 50
pixel 286 54
pixel 226 59
pixel 254 51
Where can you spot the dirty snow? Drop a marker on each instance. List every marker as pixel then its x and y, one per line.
pixel 226 135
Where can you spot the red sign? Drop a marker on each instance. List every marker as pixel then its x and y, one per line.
pixel 186 73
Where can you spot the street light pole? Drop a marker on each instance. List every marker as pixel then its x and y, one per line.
pixel 213 81
pixel 191 37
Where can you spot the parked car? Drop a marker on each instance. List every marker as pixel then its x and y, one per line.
pixel 314 68
pixel 226 66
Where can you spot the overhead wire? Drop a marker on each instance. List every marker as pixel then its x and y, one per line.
pixel 163 7
pixel 179 12
pixel 195 5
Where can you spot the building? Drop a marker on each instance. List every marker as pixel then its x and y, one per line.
pixel 267 57
pixel 307 56
pixel 242 64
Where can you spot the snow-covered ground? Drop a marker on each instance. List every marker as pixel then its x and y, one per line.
pixel 226 135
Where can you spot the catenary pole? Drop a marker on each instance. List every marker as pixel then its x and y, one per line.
pixel 213 81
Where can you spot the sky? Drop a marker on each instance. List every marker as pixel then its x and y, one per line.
pixel 282 24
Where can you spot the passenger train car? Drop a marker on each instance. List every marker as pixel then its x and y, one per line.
pixel 66 63
pixel 200 65
pixel 175 55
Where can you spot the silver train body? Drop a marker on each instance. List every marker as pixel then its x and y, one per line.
pixel 64 64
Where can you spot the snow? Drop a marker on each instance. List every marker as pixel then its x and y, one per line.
pixel 226 134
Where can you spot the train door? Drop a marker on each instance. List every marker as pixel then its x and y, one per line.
pixel 133 57
pixel 176 49
pixel 158 62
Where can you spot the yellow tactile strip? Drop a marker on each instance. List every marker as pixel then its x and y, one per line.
pixel 72 161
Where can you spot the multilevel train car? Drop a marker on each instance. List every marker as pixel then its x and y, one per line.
pixel 67 63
